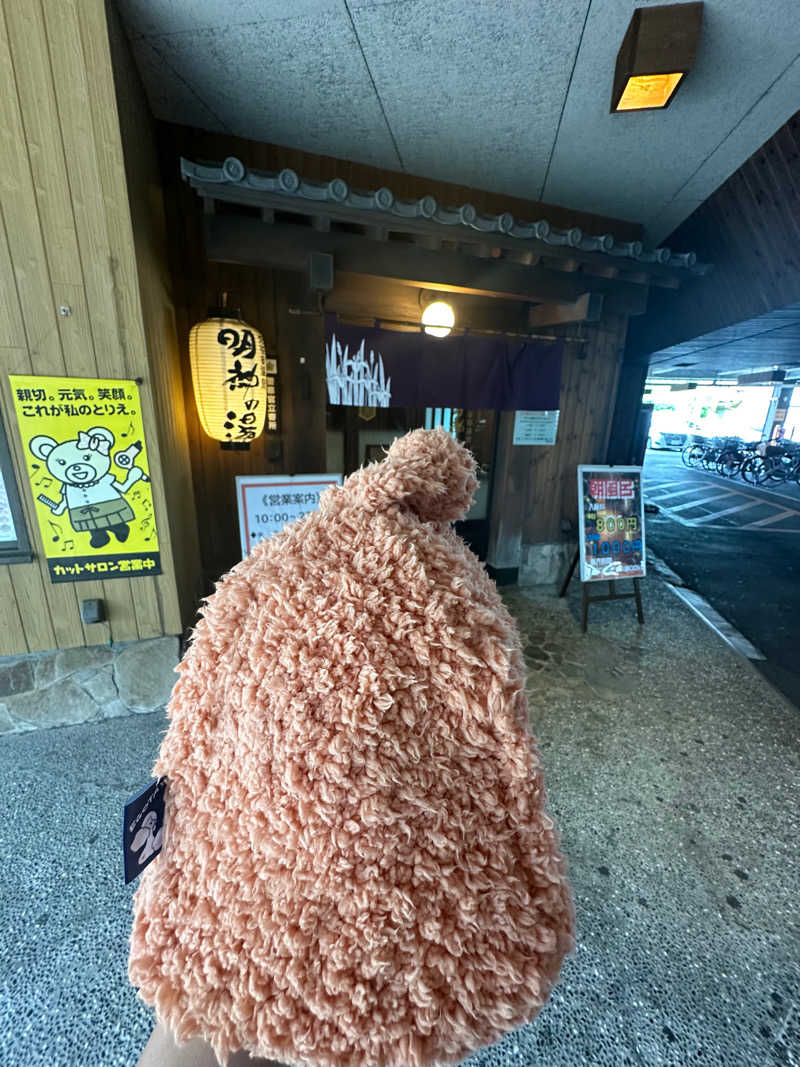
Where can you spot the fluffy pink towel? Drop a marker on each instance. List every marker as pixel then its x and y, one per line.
pixel 358 869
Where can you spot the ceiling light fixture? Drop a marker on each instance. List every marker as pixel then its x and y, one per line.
pixel 438 318
pixel 656 53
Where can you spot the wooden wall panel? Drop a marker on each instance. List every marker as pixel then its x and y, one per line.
pixel 158 314
pixel 587 399
pixel 29 581
pixel 264 298
pixel 301 349
pixel 12 350
pixel 27 36
pixel 213 469
pixel 535 488
pixel 82 157
pixel 155 601
pixel 48 169
pixel 748 229
pixel 67 240
pixel 43 353
pixel 509 503
pixel 11 627
pixel 12 327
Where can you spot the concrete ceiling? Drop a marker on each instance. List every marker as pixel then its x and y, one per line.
pixel 759 344
pixel 506 95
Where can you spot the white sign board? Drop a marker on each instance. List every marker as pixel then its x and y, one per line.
pixel 267 502
pixel 535 427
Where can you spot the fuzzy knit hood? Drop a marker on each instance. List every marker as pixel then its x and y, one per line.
pixel 358 869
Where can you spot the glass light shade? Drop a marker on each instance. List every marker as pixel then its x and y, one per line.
pixel 648 90
pixel 438 319
pixel 229 377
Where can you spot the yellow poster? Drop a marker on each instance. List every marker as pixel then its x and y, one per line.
pixel 87 464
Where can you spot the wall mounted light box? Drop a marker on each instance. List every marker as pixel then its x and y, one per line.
pixel 656 54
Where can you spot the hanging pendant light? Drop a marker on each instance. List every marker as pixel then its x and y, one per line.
pixel 229 376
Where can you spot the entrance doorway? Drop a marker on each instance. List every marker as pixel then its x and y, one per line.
pixel 357 436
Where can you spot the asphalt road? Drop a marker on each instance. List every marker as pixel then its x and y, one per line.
pixel 737 546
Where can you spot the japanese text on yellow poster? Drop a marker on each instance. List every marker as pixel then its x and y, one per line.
pixel 87 464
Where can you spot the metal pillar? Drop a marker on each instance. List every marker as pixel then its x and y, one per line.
pixel 777 411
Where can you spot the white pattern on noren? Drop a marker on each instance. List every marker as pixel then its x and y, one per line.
pixel 356 380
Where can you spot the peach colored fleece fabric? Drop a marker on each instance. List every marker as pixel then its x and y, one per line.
pixel 358 869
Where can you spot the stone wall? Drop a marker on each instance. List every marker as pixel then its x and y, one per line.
pixel 76 685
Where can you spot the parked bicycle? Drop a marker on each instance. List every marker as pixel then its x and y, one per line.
pixel 734 455
pixel 693 450
pixel 773 464
pixel 725 455
pixel 756 462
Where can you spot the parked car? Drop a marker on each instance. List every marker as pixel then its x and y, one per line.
pixel 665 439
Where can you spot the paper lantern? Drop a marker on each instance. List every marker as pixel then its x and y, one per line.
pixel 229 376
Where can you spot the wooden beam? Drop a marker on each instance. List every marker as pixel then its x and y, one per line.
pixel 429 241
pixel 236 194
pixel 526 256
pixel 634 277
pixel 250 242
pixel 367 299
pixel 587 308
pixel 568 263
pixel 597 271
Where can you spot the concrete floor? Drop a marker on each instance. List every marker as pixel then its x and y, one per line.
pixel 745 562
pixel 672 768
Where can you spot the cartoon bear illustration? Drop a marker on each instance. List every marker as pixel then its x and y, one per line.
pixel 92 495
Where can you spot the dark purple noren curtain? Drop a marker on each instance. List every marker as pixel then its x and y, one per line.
pixel 370 366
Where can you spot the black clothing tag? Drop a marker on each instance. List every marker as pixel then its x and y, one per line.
pixel 143 827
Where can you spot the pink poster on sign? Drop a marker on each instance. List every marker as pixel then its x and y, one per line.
pixel 611 523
